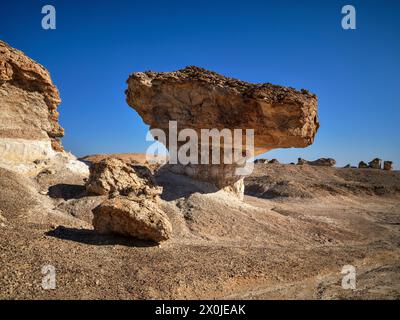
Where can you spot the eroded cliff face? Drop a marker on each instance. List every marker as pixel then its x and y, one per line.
pixel 29 129
pixel 28 99
pixel 199 99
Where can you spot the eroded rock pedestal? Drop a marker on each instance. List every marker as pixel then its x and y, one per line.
pixel 198 99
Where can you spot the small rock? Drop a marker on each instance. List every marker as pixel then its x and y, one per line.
pixel 142 220
pixel 362 165
pixel 388 165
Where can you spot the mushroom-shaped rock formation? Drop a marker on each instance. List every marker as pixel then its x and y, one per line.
pixel 199 99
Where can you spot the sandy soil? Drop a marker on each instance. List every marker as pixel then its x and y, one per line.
pixel 277 243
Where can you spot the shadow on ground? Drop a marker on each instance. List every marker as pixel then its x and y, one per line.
pixel 90 237
pixel 67 191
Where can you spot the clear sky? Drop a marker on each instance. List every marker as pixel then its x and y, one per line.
pixel 97 44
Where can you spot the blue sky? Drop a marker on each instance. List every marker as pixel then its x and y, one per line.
pixel 97 44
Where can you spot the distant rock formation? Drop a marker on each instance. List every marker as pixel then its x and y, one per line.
pixel 199 99
pixel 273 161
pixel 387 165
pixel 362 165
pixel 133 208
pixel 324 162
pixel 375 164
pixel 29 129
pixel 347 166
pixel 261 160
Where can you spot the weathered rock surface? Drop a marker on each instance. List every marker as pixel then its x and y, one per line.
pixel 113 175
pixel 362 165
pixel 324 162
pixel 139 219
pixel 199 99
pixel 387 165
pixel 29 129
pixel 134 208
pixel 28 99
pixel 375 164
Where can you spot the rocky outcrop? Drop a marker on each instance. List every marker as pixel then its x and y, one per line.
pixel 324 162
pixel 199 99
pixel 140 219
pixel 273 161
pixel 387 165
pixel 28 99
pixel 114 176
pixel 29 129
pixel 375 164
pixel 362 165
pixel 133 207
pixel 261 160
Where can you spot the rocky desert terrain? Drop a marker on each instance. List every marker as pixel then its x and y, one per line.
pixel 116 226
pixel 282 243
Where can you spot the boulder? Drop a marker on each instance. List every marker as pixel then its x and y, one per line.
pixel 347 166
pixel 387 165
pixel 29 129
pixel 362 165
pixel 114 176
pixel 140 219
pixel 375 164
pixel 198 99
pixel 324 162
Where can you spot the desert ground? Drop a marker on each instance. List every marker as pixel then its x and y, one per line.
pixel 290 237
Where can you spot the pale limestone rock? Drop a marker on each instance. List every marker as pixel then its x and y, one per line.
pixel 111 175
pixel 199 99
pixel 140 219
pixel 29 129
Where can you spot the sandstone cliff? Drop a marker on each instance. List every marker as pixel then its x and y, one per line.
pixel 29 129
